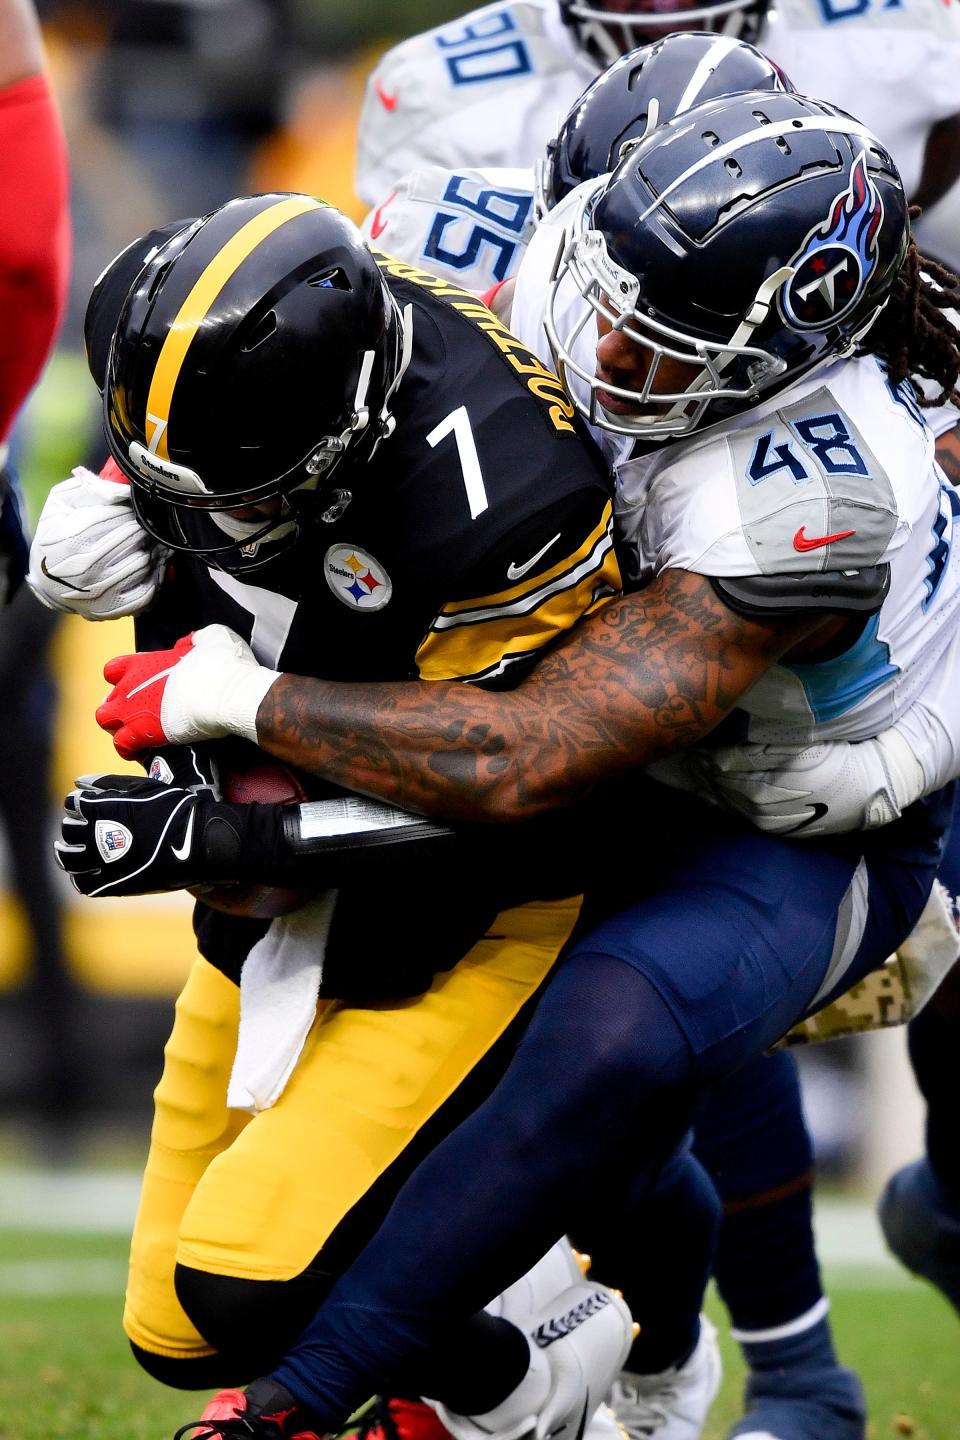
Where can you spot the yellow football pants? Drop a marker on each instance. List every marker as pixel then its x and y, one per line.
pixel 256 1197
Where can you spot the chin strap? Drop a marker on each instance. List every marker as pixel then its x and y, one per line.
pixel 333 446
pixel 404 323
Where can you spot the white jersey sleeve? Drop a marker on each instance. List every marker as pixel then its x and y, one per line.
pixel 468 226
pixel 836 473
pixel 894 67
pixel 489 89
pixel 791 487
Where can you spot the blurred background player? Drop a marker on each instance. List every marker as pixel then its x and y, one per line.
pixel 34 268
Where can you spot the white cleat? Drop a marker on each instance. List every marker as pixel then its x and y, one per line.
pixel 579 1341
pixel 674 1404
pixel 554 1272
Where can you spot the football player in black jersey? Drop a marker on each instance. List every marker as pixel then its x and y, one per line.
pixel 649 673
pixel 360 470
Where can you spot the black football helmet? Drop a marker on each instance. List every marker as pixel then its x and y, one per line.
pixel 252 361
pixel 606 29
pixel 754 237
pixel 641 90
pixel 110 291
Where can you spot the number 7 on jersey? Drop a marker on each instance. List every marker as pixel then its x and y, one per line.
pixel 458 423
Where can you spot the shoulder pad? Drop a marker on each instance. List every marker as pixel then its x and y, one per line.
pixel 805 476
pixel 860 592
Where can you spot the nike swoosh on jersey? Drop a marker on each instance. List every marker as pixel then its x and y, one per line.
pixel 515 571
pixel 182 851
pixel 58 580
pixel 389 102
pixel 377 225
pixel 802 542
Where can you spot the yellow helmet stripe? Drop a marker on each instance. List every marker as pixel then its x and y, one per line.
pixel 193 310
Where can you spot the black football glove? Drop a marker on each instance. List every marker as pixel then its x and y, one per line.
pixel 193 767
pixel 123 835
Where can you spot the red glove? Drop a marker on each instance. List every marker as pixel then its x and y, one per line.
pixel 132 711
pixel 209 685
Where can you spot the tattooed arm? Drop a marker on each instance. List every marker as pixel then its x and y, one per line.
pixel 646 675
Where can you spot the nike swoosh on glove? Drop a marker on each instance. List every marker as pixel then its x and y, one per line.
pixel 806 791
pixel 90 555
pixel 124 835
pixel 209 685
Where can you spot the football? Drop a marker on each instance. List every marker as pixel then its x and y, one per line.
pixel 248 781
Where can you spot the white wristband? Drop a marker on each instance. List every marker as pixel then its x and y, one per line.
pixel 243 700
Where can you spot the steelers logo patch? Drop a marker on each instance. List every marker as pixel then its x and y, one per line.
pixel 356 578
pixel 826 286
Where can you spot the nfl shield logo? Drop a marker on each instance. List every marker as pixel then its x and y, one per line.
pixel 113 839
pixel 160 770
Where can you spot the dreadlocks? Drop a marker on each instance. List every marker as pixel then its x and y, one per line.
pixel 912 335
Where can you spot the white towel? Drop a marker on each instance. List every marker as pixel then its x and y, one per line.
pixel 279 986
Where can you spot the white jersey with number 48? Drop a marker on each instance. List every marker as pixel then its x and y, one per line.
pixel 835 473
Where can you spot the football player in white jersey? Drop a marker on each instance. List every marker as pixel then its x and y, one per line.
pixel 472 225
pixel 472 228
pixel 490 89
pixel 793 540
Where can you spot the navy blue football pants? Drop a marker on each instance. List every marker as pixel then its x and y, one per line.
pixel 728 936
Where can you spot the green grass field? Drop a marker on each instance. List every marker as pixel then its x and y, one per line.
pixel 66 1373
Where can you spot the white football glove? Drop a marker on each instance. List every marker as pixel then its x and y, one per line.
pixel 90 555
pixel 805 791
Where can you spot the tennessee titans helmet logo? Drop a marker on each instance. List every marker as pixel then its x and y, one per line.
pixel 837 258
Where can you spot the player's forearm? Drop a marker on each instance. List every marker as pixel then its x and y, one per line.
pixel 647 675
pixel 440 748
pixel 642 677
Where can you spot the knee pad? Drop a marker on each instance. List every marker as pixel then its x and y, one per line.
pixel 194 1372
pixel 253 1321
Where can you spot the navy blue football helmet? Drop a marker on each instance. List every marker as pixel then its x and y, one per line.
pixel 641 90
pixel 754 238
pixel 606 29
pixel 252 359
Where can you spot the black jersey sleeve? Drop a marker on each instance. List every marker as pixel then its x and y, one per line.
pixel 540 578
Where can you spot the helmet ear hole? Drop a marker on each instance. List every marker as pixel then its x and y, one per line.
pixel 330 280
